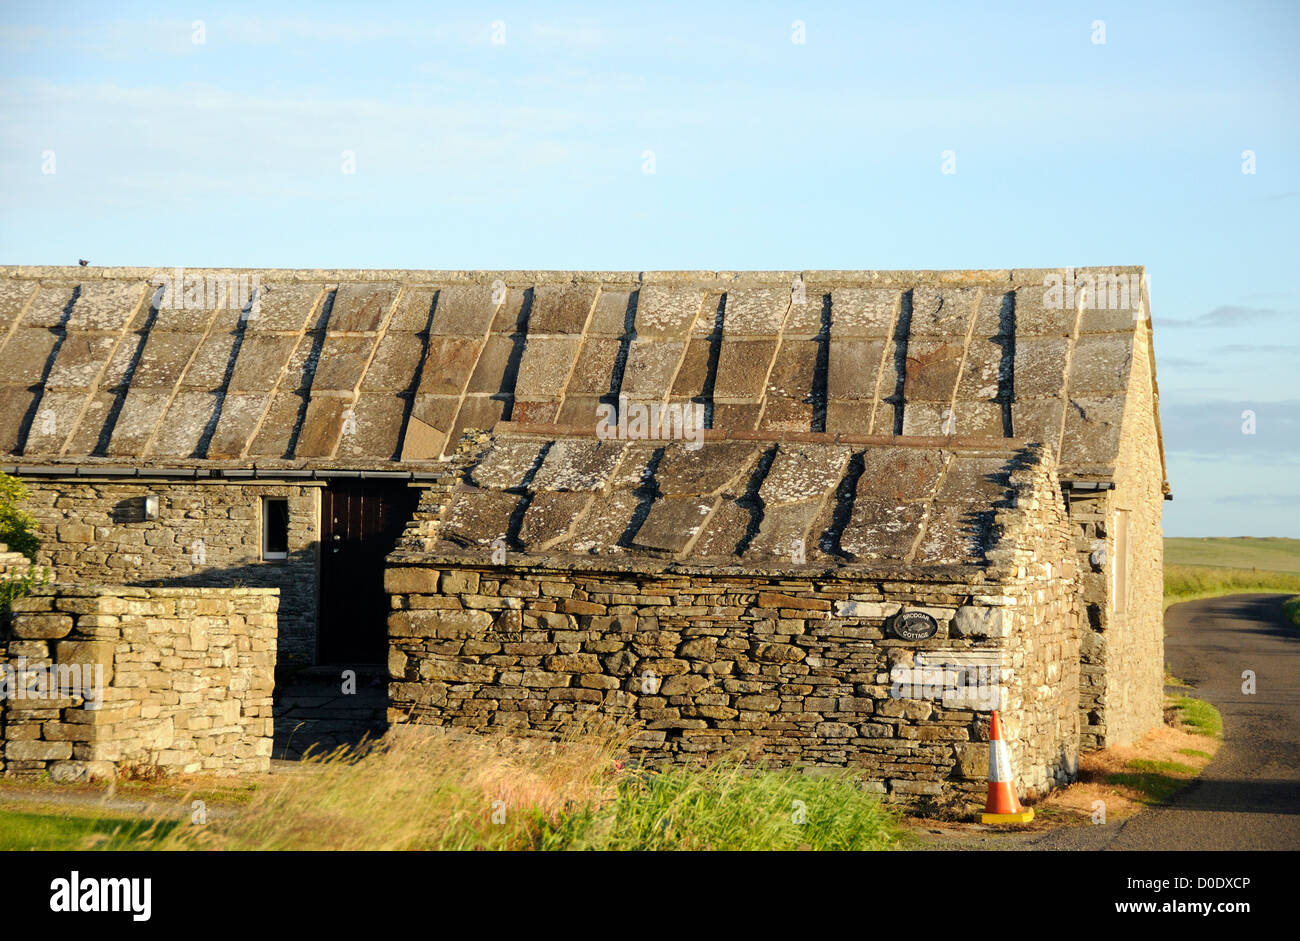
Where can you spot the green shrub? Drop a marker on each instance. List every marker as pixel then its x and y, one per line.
pixel 1291 608
pixel 17 586
pixel 15 525
pixel 16 532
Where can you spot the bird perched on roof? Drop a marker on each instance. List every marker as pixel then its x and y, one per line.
pixel 82 262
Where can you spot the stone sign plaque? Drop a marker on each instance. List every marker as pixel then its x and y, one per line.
pixel 914 625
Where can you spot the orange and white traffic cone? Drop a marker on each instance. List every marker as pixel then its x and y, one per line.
pixel 1002 805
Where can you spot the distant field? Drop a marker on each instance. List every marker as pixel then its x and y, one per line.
pixel 1202 568
pixel 1275 555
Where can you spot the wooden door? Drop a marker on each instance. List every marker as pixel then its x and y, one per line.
pixel 361 521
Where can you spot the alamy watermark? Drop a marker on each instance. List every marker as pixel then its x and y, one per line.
pixel 182 291
pixel 1093 290
pixel 103 894
pixel 655 421
pixel 20 681
pixel 977 685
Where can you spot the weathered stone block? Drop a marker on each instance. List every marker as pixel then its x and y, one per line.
pixel 976 621
pixel 41 626
pixel 770 599
pixel 972 759
pixel 459 582
pixel 573 663
pixel 455 671
pixel 778 653
pixel 396 663
pixel 69 772
pixel 411 580
pixel 37 751
pixel 438 623
pixel 683 685
pixel 577 606
pixel 865 609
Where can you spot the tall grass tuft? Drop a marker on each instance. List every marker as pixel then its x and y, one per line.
pixel 423 788
pixel 726 806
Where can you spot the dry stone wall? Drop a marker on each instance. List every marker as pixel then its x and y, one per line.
pixel 206 534
pixel 97 679
pixel 798 667
pixel 804 671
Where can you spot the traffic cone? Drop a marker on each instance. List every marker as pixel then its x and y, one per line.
pixel 1001 805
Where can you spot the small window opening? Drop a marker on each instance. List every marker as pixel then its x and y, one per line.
pixel 275 528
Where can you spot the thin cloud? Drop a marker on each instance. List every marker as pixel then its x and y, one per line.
pixel 1258 349
pixel 1262 500
pixel 1184 362
pixel 1230 315
pixel 1262 431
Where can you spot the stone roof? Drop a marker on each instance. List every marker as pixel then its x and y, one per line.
pixel 734 501
pixel 385 369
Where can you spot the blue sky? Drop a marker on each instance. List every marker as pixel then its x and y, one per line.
pixel 768 154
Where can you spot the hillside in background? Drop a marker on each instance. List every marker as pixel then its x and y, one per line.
pixel 1202 568
pixel 1274 555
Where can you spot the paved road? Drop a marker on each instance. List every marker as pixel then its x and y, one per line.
pixel 1248 798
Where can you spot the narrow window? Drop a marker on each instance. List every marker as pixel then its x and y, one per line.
pixel 275 528
pixel 1121 562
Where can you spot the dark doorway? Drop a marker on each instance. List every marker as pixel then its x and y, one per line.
pixel 361 521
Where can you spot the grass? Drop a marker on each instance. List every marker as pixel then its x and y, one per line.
pixel 1151 787
pixel 1199 716
pixel 56 827
pixel 424 788
pixel 728 807
pixel 428 790
pixel 214 790
pixel 1161 767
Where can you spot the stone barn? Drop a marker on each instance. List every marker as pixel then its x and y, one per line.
pixel 832 517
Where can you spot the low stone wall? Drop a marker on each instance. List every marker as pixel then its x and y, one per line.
pixel 97 679
pixel 801 670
